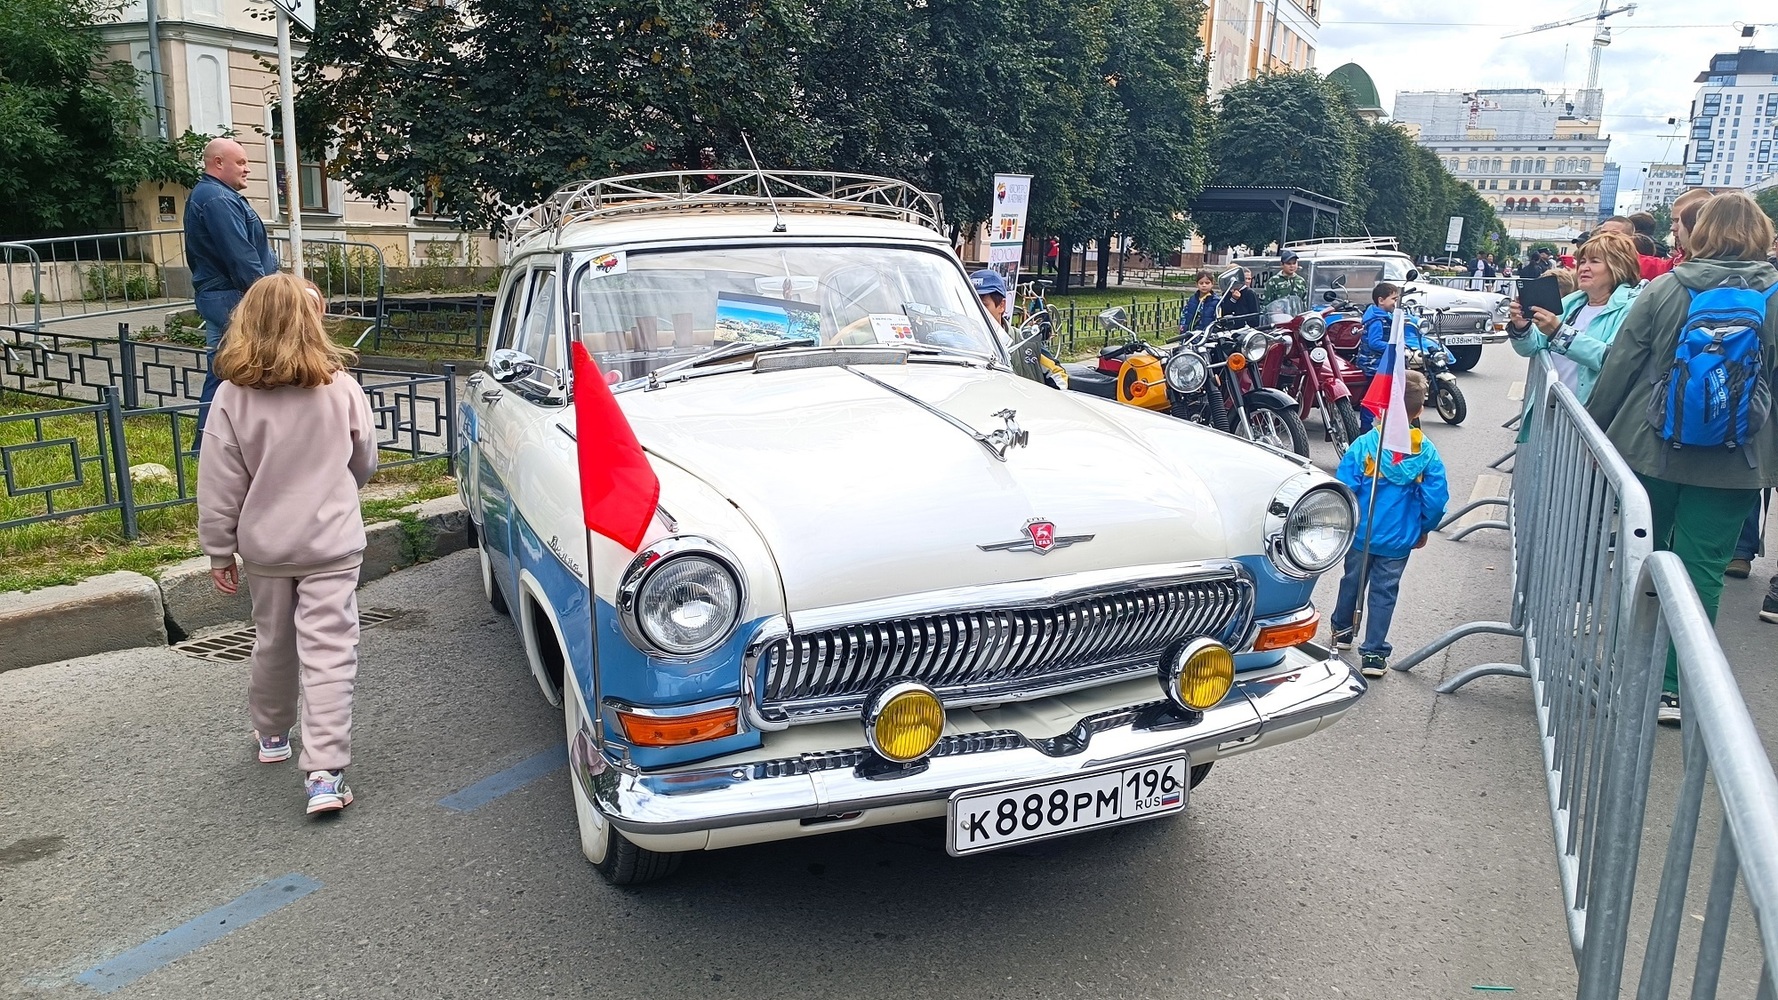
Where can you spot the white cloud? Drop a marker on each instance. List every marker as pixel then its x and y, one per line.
pixel 1647 72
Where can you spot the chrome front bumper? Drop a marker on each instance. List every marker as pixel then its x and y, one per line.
pixel 1310 689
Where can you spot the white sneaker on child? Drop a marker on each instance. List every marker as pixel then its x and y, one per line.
pixel 327 791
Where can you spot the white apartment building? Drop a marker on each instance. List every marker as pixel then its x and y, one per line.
pixel 1661 183
pixel 1733 120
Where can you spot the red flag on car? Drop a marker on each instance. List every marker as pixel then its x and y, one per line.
pixel 618 488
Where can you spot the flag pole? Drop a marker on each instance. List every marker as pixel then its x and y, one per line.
pixel 1397 344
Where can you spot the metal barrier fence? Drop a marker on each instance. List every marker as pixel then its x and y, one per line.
pixel 455 323
pixel 1594 644
pixel 145 395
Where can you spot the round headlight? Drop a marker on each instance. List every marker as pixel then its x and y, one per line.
pixel 1186 372
pixel 1318 355
pixel 903 721
pixel 1313 329
pixel 1255 345
pixel 680 605
pixel 1199 675
pixel 1318 530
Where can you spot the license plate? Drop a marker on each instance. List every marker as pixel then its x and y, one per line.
pixel 1461 339
pixel 1000 817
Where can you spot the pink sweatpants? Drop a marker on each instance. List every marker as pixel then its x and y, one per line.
pixel 306 639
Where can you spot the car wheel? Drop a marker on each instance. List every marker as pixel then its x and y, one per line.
pixel 617 860
pixel 1281 429
pixel 490 588
pixel 1200 772
pixel 1467 357
pixel 1451 404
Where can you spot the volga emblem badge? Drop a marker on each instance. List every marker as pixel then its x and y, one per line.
pixel 1040 537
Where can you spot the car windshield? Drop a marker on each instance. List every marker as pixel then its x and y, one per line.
pixel 642 311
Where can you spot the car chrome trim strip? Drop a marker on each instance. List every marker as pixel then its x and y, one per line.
pixel 1014 642
pixel 824 783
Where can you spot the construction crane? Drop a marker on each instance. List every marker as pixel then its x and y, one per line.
pixel 1601 34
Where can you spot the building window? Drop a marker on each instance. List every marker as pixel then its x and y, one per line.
pixel 1472 164
pixel 311 176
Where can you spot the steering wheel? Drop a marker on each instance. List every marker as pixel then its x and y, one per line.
pixel 857 333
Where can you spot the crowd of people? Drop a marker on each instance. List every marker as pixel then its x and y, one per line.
pixel 1665 346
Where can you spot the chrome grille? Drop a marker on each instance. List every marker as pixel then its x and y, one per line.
pixel 977 656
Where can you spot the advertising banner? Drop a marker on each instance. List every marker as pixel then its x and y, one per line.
pixel 1006 228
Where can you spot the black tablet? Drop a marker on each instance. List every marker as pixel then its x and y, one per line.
pixel 1540 292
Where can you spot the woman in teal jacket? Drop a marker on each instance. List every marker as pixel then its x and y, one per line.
pixel 1609 272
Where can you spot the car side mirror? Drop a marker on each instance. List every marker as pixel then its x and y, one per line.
pixel 1413 274
pixel 508 365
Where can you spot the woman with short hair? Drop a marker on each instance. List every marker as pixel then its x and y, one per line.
pixel 1607 273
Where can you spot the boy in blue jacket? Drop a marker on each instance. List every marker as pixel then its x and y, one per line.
pixel 1411 495
pixel 1377 320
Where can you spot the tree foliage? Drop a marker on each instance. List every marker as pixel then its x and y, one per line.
pixel 1768 202
pixel 491 104
pixel 69 121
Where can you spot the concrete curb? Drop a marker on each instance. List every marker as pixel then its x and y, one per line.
pixel 128 610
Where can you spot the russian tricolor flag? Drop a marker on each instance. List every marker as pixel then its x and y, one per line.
pixel 1385 397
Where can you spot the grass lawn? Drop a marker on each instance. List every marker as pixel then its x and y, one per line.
pixel 67 471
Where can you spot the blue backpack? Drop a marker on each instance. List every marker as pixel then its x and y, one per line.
pixel 1715 394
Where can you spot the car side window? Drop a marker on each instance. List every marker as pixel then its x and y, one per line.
pixel 537 326
pixel 512 305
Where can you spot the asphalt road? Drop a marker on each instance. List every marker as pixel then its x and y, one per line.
pixel 1405 853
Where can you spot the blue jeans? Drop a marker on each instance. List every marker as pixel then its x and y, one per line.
pixel 1748 546
pixel 1383 583
pixel 215 308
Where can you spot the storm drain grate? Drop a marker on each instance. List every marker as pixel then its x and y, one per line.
pixel 236 645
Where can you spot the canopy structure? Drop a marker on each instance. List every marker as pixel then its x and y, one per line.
pixel 1259 200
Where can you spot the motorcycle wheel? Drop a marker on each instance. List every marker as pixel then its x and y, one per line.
pixel 1450 402
pixel 1467 357
pixel 1280 428
pixel 1345 427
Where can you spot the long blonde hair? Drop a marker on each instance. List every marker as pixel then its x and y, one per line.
pixel 276 338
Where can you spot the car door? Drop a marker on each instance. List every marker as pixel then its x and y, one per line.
pixel 515 410
pixel 488 492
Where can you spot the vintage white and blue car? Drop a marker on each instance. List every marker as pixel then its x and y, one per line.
pixel 888 579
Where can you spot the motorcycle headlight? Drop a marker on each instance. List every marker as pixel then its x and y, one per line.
pixel 1311 524
pixel 1313 329
pixel 1255 345
pixel 1318 355
pixel 1186 372
pixel 680 598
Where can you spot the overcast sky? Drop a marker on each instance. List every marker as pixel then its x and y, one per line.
pixel 1647 72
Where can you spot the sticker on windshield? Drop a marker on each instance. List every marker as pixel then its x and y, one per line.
pixel 891 328
pixel 614 262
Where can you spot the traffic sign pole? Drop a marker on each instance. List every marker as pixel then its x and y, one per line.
pixel 293 198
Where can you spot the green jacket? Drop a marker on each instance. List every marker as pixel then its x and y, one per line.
pixel 1587 347
pixel 1643 351
pixel 1282 286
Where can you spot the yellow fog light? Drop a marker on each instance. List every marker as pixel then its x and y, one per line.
pixel 903 721
pixel 1199 675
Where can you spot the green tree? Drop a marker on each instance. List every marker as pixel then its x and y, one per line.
pixel 491 104
pixel 69 121
pixel 1768 202
pixel 1285 130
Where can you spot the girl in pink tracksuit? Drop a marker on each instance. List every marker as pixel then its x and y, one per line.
pixel 289 441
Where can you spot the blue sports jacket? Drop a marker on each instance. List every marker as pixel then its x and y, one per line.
pixel 1198 312
pixel 1411 495
pixel 225 242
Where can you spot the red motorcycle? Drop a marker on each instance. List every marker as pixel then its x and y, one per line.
pixel 1306 368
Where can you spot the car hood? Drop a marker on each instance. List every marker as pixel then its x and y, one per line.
pixel 863 493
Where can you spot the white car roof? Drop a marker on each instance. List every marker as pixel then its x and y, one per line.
pixel 702 226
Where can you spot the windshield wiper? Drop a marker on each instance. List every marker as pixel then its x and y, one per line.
pixel 738 350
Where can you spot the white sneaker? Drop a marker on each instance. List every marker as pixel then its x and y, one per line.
pixel 1668 714
pixel 327 791
pixel 273 749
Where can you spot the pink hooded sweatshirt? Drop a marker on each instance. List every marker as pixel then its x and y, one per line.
pixel 279 477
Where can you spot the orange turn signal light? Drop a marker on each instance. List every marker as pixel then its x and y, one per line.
pixel 1138 389
pixel 1237 361
pixel 678 730
pixel 1290 634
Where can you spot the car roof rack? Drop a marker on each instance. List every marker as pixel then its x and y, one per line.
pixel 688 191
pixel 1346 243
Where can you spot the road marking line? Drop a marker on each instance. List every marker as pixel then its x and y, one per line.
pixel 1486 485
pixel 1516 392
pixel 510 780
pixel 115 973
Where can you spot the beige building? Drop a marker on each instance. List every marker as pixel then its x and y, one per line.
pixel 1246 38
pixel 216 70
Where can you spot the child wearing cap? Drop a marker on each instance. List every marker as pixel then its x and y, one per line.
pixel 1287 283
